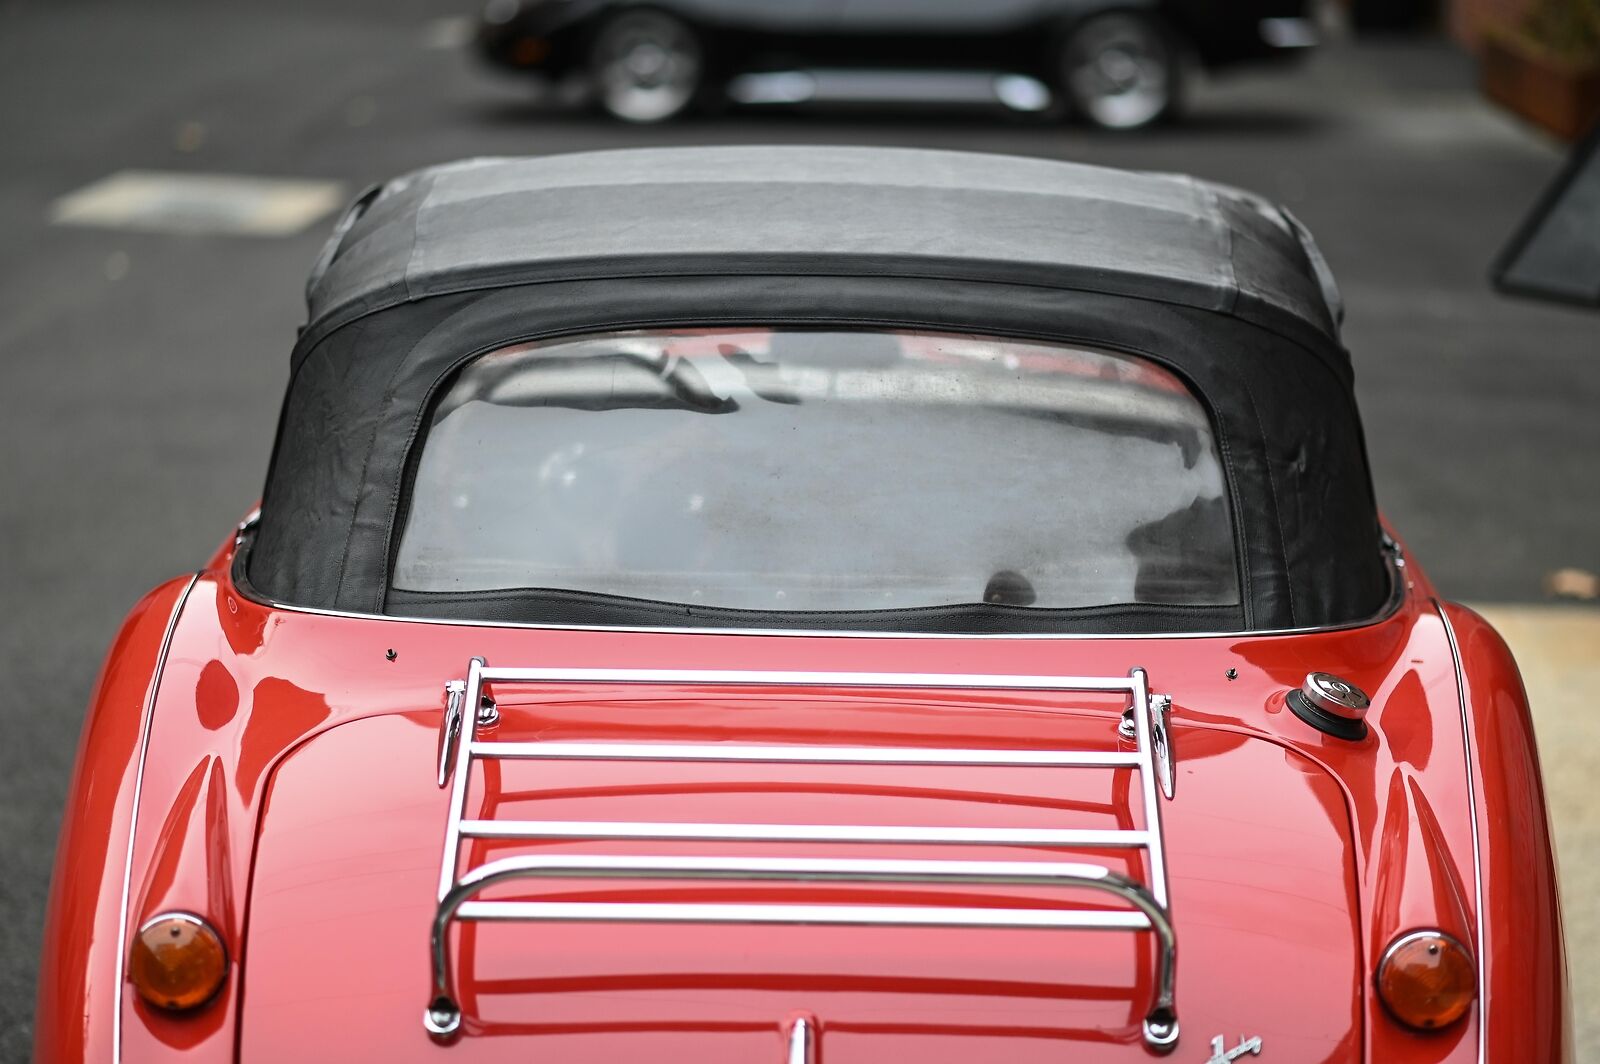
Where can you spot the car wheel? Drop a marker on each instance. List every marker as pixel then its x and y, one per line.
pixel 1121 71
pixel 646 66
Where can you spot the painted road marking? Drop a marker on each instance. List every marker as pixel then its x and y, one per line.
pixel 1558 650
pixel 228 204
pixel 451 32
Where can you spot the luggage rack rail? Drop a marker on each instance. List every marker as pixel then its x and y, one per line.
pixel 468 709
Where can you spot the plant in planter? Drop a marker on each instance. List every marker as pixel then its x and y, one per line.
pixel 1547 67
pixel 1567 28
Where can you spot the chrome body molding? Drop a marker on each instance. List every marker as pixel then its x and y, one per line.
pixel 1148 908
pixel 1472 808
pixel 1018 92
pixel 1398 586
pixel 147 720
pixel 802 1042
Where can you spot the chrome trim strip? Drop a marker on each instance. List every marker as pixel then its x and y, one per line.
pixel 1391 552
pixel 1018 92
pixel 570 829
pixel 147 719
pixel 802 1046
pixel 802 755
pixel 1472 808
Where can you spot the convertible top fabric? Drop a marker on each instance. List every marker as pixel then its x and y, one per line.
pixel 849 211
pixel 428 272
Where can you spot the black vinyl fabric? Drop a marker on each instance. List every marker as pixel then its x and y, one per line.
pixel 807 210
pixel 980 618
pixel 450 263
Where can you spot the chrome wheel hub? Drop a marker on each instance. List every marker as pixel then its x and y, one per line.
pixel 1120 72
pixel 647 67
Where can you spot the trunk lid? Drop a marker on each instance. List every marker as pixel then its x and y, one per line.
pixel 1257 843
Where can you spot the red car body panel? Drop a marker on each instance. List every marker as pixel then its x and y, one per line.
pixel 1526 987
pixel 286 793
pixel 610 990
pixel 81 971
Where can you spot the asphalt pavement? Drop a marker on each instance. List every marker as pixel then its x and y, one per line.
pixel 140 372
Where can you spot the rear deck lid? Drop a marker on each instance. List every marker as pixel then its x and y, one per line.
pixel 348 869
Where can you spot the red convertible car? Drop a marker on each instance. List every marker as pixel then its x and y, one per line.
pixel 813 605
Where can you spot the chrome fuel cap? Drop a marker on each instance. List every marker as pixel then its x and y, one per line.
pixel 1333 695
pixel 1331 705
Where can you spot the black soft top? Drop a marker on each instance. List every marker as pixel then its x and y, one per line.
pixel 432 269
pixel 847 211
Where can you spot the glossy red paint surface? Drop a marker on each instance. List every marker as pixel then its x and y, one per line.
pixel 1526 992
pixel 80 967
pixel 1020 994
pixel 288 796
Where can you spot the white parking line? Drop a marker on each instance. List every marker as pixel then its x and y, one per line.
pixel 453 32
pixel 199 203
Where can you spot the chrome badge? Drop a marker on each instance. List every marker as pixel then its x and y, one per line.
pixel 1220 1055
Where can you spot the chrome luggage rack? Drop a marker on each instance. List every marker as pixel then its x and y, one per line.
pixel 1144 721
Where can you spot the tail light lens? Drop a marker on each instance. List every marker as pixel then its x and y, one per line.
pixel 1427 980
pixel 177 962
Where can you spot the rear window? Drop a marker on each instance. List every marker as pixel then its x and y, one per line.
pixel 801 470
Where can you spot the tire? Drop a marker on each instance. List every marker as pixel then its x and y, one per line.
pixel 1121 71
pixel 647 66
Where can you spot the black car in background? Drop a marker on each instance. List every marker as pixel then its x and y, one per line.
pixel 1116 63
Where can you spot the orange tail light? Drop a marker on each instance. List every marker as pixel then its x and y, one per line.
pixel 178 962
pixel 1427 980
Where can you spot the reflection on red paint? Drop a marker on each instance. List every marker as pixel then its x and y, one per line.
pixel 291 767
pixel 216 697
pixel 282 714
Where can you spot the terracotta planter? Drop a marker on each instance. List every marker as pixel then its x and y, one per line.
pixel 1549 90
